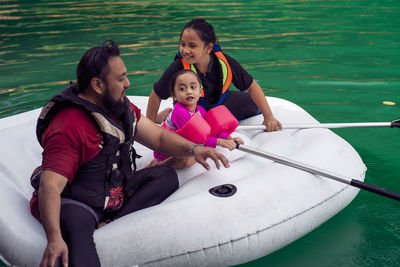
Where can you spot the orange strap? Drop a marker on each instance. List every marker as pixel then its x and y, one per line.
pixel 226 71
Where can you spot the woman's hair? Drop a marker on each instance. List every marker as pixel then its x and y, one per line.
pixel 94 63
pixel 176 75
pixel 204 29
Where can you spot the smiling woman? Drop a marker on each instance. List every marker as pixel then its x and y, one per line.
pixel 336 59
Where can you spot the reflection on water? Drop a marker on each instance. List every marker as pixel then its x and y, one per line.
pixel 282 43
pixel 337 59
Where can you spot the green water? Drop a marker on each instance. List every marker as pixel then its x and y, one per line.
pixel 339 60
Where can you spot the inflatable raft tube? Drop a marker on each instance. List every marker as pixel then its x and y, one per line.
pixel 273 204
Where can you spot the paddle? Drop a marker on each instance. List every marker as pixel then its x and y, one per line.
pixel 318 171
pixel 392 124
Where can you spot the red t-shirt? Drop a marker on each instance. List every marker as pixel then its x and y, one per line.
pixel 71 139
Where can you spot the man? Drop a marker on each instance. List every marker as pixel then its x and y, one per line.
pixel 88 173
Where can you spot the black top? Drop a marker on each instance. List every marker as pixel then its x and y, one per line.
pixel 212 80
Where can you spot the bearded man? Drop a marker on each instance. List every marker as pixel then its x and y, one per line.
pixel 88 175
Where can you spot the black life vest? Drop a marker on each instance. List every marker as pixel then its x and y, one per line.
pixel 98 183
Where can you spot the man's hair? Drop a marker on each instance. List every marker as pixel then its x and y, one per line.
pixel 94 63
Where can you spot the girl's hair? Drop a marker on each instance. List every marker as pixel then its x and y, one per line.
pixel 204 29
pixel 176 75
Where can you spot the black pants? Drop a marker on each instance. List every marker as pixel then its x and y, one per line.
pixel 241 105
pixel 78 222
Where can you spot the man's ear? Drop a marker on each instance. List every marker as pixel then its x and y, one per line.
pixel 97 85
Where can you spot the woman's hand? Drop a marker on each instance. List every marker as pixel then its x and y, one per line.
pixel 272 124
pixel 162 115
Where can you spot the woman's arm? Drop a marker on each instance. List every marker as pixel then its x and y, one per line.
pixel 152 106
pixel 161 91
pixel 152 109
pixel 258 97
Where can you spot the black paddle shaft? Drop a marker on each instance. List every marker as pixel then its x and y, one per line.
pixel 375 189
pixel 395 123
pixel 317 171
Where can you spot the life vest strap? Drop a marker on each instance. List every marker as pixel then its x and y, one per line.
pixel 226 70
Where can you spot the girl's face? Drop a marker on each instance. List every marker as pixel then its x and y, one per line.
pixel 187 90
pixel 192 48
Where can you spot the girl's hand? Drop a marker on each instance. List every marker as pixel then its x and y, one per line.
pixel 227 143
pixel 238 140
pixel 272 124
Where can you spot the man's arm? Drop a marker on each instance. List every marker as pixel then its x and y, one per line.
pixel 170 143
pixel 51 186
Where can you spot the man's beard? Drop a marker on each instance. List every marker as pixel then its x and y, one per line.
pixel 115 107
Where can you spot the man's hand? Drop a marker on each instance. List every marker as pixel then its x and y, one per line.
pixel 54 249
pixel 51 186
pixel 201 154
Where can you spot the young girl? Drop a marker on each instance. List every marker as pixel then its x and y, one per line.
pixel 185 88
pixel 199 51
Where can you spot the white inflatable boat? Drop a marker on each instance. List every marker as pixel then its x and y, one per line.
pixel 273 204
